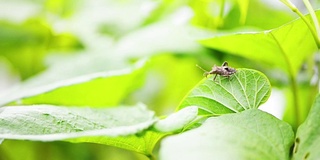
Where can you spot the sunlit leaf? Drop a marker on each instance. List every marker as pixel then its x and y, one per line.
pixel 307 141
pixel 177 120
pixel 49 123
pixel 251 11
pixel 239 13
pixel 285 47
pixel 252 134
pixel 103 126
pixel 142 142
pixel 90 80
pixel 244 90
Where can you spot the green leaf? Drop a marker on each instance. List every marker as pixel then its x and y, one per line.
pixel 90 80
pixel 49 123
pixel 252 134
pixel 177 120
pixel 285 47
pixel 143 143
pixel 307 142
pixel 244 90
pixel 252 15
pixel 121 127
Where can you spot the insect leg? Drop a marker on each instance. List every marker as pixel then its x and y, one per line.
pixel 214 79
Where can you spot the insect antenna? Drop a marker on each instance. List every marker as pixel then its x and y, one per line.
pixel 206 73
pixel 201 68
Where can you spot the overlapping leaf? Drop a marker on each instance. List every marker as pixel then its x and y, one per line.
pixel 91 80
pixel 252 134
pixel 244 90
pixel 285 47
pixel 308 135
pixel 178 120
pixel 118 127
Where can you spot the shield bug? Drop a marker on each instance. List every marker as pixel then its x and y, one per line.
pixel 223 70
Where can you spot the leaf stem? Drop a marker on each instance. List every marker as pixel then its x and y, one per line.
pixel 313 16
pixel 293 84
pixel 314 29
pixel 294 87
pixel 317 28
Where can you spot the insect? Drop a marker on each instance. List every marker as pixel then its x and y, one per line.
pixel 224 71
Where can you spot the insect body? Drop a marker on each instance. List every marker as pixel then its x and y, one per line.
pixel 224 71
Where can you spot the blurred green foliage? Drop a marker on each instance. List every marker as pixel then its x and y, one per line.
pixel 48 42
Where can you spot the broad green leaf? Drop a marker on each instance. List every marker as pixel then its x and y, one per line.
pixel 121 127
pixel 252 134
pixel 49 123
pixel 177 120
pixel 244 90
pixel 239 13
pixel 285 47
pixel 307 141
pixel 252 11
pixel 90 80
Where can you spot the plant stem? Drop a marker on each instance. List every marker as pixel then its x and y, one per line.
pixel 318 71
pixel 296 106
pixel 313 16
pixel 314 31
pixel 317 28
pixel 293 84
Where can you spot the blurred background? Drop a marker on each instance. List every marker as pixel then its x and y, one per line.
pixel 36 35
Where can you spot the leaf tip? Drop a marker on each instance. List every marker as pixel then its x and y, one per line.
pixel 177 120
